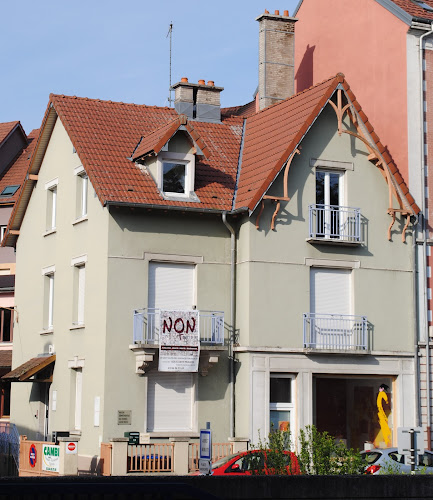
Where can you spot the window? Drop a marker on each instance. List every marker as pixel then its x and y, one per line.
pixel 176 174
pixel 6 325
pixel 5 398
pixel 281 404
pixel 51 188
pixel 82 188
pixel 329 198
pixel 166 391
pixel 48 274
pixel 331 291
pixel 2 232
pixel 9 190
pixel 79 285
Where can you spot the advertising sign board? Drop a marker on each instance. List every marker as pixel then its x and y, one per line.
pixel 50 458
pixel 179 341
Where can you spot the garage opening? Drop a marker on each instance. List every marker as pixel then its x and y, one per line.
pixel 358 411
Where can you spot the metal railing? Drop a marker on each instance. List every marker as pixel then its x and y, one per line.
pixel 219 450
pixel 335 331
pixel 146 326
pixel 151 457
pixel 335 222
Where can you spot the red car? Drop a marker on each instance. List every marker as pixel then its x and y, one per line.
pixel 240 464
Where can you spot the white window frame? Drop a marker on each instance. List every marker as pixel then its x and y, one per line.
pixel 284 406
pixel 2 232
pixel 189 161
pixel 51 188
pixel 78 398
pixel 82 192
pixel 48 273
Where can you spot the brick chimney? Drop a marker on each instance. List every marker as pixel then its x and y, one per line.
pixel 276 57
pixel 198 101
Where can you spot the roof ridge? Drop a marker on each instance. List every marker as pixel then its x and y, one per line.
pixel 106 101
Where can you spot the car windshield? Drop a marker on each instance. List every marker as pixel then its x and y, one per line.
pixel 224 460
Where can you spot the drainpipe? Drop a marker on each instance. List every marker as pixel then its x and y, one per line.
pixel 424 231
pixel 416 322
pixel 232 322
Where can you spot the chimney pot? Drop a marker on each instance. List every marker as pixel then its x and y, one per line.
pixel 184 79
pixel 201 82
pixel 211 83
pixel 277 12
pixel 266 11
pixel 286 13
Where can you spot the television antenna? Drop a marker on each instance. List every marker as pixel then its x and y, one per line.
pixel 170 34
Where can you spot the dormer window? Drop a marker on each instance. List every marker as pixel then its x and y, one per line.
pixel 176 175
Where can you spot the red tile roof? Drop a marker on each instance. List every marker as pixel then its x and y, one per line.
pixel 105 133
pixel 6 128
pixel 16 173
pixel 414 9
pixel 273 134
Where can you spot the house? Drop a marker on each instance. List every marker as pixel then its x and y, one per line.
pixel 206 264
pixel 386 50
pixel 15 148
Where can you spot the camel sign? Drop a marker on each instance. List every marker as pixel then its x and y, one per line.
pixel 179 341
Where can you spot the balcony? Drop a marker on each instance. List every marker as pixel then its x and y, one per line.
pixel 335 332
pixel 146 327
pixel 334 224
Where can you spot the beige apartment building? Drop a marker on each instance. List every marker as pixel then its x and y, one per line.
pixel 250 268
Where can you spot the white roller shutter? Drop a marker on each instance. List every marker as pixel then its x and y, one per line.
pixel 330 291
pixel 170 400
pixel 171 286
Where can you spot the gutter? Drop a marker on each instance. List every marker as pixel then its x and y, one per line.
pixel 424 232
pixel 232 321
pixel 178 208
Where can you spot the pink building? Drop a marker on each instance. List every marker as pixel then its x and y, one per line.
pixel 385 49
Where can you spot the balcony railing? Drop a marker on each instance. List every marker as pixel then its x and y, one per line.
pixel 333 222
pixel 335 331
pixel 147 322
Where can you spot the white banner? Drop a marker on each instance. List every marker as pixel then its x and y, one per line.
pixel 50 458
pixel 179 341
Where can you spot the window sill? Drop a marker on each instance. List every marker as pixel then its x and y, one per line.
pixel 80 219
pixel 77 327
pixel 48 331
pixel 50 231
pixel 188 198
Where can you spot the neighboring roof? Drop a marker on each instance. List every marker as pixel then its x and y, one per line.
pixel 273 134
pixel 405 10
pixel 6 128
pixel 414 8
pixel 5 358
pixel 245 110
pixel 17 171
pixel 31 367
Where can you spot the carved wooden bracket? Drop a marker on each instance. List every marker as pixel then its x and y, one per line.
pixel 374 156
pixel 277 199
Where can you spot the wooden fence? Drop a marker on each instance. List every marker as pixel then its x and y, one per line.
pixel 31 465
pixel 158 457
pixel 219 450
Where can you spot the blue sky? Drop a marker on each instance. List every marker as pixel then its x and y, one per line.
pixel 118 50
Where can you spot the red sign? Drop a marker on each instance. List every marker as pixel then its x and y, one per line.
pixel 71 446
pixel 32 455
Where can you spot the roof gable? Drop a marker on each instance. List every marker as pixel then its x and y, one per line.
pixel 273 135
